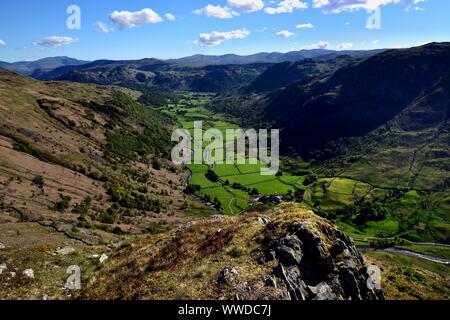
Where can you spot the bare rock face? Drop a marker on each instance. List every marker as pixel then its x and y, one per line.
pixel 316 261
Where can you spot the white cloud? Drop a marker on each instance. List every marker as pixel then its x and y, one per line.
pixel 285 34
pixel 326 45
pixel 215 38
pixel 127 19
pixel 344 46
pixel 375 41
pixel 170 17
pixel 305 26
pixel 287 6
pixel 336 6
pixel 211 11
pixel 103 27
pixel 55 41
pixel 2 42
pixel 246 5
pixel 347 23
pixel 319 45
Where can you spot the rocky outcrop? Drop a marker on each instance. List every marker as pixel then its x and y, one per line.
pixel 316 261
pixel 290 254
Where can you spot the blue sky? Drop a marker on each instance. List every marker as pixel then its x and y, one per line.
pixel 133 29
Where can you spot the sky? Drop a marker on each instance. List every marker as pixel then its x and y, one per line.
pixel 135 29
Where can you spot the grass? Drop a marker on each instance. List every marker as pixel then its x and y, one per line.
pixel 409 278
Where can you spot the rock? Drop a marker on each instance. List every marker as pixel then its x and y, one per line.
pixel 29 273
pixel 2 246
pixel 288 250
pixel 263 220
pixel 322 292
pixel 270 281
pixel 65 251
pixel 228 275
pixel 317 261
pixel 12 274
pixel 103 258
pixel 2 267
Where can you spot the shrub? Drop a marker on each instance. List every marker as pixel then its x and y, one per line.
pixel 63 204
pixel 39 181
pixel 156 164
pixel 109 217
pixel 83 207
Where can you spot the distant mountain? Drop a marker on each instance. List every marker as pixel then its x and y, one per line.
pixel 42 65
pixel 263 57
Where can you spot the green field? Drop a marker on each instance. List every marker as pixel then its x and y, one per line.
pixel 414 215
pixel 191 108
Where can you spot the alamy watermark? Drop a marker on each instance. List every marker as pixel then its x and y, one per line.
pixel 237 147
pixel 73 22
pixel 73 282
pixel 374 20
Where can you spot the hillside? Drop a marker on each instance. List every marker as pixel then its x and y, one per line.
pixel 303 72
pixel 84 159
pixel 357 99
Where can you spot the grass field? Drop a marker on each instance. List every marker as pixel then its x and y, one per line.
pixel 191 108
pixel 415 215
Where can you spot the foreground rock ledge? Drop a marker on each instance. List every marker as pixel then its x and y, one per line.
pixel 292 255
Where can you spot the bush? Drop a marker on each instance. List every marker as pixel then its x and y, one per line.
pixel 157 227
pixel 39 181
pixel 63 204
pixel 109 217
pixel 83 207
pixel 156 164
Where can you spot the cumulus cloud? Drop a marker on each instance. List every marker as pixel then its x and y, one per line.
pixel 219 12
pixel 375 41
pixel 286 6
pixel 169 17
pixel 305 26
pixel 336 6
pixel 55 41
pixel 318 45
pixel 285 34
pixel 215 38
pixel 103 27
pixel 127 19
pixel 327 46
pixel 344 46
pixel 2 42
pixel 246 5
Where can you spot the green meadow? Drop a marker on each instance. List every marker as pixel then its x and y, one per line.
pixel 375 209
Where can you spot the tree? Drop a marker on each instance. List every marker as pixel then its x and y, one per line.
pixel 212 176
